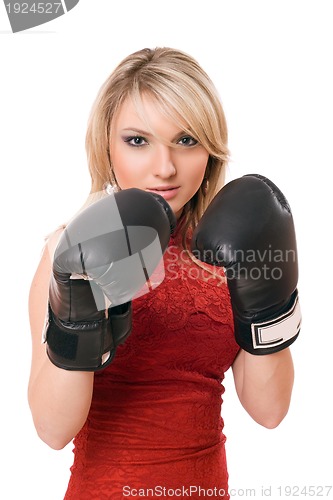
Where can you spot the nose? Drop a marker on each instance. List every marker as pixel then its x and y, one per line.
pixel 164 166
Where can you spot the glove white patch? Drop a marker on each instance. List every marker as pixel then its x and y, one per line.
pixel 278 330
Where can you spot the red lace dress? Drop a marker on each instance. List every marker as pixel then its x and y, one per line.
pixel 155 427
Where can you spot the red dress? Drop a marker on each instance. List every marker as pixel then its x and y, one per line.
pixel 155 427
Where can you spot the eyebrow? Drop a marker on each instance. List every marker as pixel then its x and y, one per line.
pixel 136 130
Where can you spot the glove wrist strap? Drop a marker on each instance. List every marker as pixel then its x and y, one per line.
pixel 271 335
pixel 87 345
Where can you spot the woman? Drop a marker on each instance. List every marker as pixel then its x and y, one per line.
pixel 152 418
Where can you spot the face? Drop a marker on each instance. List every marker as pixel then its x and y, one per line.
pixel 141 160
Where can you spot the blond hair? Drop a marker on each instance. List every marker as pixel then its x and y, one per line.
pixel 184 93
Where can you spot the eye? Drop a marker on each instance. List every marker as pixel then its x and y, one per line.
pixel 135 140
pixel 187 140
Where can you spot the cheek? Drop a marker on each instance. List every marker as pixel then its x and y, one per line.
pixel 197 171
pixel 127 169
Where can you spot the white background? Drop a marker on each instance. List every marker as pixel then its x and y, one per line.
pixel 272 62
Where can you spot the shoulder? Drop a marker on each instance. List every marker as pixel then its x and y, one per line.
pixel 38 298
pixel 51 241
pixel 39 287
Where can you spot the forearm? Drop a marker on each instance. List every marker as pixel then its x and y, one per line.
pixel 264 385
pixel 59 401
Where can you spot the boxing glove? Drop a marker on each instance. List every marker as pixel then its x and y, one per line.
pixel 105 257
pixel 248 229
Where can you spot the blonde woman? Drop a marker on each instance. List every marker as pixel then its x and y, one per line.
pixel 146 420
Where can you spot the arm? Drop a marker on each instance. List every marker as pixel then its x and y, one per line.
pixel 115 248
pixel 59 399
pixel 264 385
pixel 248 229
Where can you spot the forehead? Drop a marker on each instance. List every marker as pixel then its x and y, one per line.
pixel 147 113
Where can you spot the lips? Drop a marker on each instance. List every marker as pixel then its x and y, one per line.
pixel 167 192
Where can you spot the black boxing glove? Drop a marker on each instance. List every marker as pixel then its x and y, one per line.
pixel 105 256
pixel 248 229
